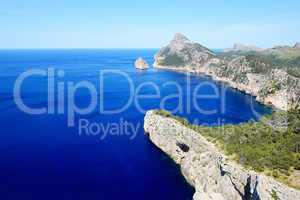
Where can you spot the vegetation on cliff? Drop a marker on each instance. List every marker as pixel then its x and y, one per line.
pixel 271 145
pixel 287 59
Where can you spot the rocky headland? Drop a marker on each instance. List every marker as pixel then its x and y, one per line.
pixel 213 175
pixel 257 74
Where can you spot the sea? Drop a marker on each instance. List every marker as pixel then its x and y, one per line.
pixel 71 123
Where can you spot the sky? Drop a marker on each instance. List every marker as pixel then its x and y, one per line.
pixel 147 23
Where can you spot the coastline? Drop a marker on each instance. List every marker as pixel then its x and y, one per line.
pixel 271 102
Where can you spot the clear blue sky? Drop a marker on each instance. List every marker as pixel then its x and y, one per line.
pixel 146 24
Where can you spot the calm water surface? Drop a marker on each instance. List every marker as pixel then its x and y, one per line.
pixel 42 158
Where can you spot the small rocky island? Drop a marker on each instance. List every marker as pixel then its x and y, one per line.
pixel 141 64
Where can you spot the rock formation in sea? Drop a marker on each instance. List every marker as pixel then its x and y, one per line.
pixel 213 175
pixel 253 73
pixel 141 64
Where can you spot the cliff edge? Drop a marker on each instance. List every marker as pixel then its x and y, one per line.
pixel 214 176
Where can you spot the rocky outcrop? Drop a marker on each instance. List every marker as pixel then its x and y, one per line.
pixel 213 175
pixel 275 87
pixel 141 64
pixel 241 47
pixel 297 45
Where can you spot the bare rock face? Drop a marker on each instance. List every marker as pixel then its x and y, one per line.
pixel 140 63
pixel 213 175
pixel 297 45
pixel 182 52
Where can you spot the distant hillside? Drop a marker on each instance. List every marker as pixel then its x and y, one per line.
pixel 281 57
pixel 241 47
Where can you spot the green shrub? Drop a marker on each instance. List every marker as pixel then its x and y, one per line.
pixel 274 195
pixel 172 60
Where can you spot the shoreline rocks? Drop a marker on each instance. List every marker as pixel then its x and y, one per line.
pixel 213 175
pixel 141 64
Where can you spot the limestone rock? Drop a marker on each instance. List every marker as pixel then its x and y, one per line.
pixel 213 175
pixel 140 63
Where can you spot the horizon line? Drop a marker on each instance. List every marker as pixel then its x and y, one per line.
pixel 119 48
pixel 72 48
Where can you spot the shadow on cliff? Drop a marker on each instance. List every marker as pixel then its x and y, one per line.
pixel 247 194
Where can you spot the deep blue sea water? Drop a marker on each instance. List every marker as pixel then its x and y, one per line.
pixel 42 158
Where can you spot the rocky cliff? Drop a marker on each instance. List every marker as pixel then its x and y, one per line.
pixel 251 74
pixel 213 175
